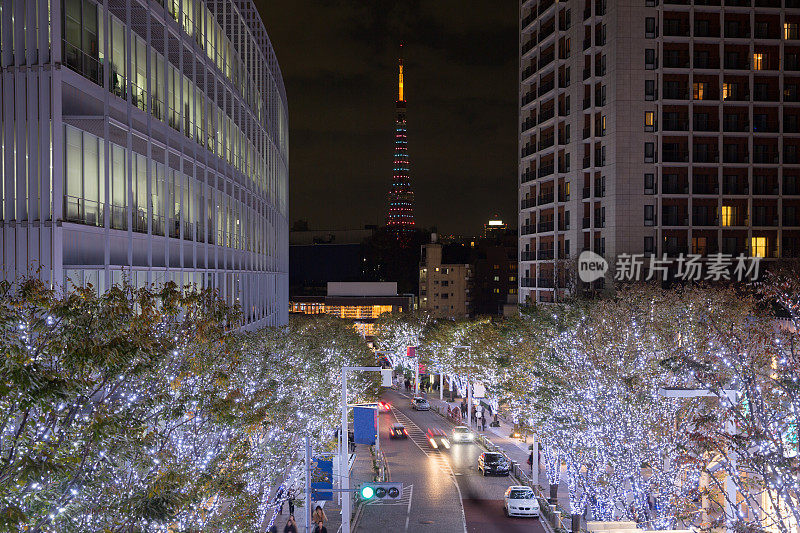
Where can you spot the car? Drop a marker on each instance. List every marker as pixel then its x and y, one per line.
pixel 398 431
pixel 493 463
pixel 462 434
pixel 437 438
pixel 420 404
pixel 384 407
pixel 520 500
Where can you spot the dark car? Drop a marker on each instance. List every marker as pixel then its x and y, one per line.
pixel 398 431
pixel 493 463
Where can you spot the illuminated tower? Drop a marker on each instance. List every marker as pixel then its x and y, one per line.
pixel 401 196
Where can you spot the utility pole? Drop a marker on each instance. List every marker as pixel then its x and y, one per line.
pixel 441 385
pixel 344 448
pixel 308 484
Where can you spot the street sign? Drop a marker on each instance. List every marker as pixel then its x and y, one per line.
pixel 386 377
pixel 365 425
pixel 478 390
pixel 321 479
pixel 386 491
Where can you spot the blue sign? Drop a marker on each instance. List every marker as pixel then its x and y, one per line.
pixel 321 479
pixel 364 425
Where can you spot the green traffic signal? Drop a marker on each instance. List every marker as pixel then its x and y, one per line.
pixel 367 492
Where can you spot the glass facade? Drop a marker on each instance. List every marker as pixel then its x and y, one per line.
pixel 160 152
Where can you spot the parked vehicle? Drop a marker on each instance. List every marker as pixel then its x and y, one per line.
pixel 420 404
pixel 493 463
pixel 520 500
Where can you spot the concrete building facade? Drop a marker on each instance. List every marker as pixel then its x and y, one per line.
pixel 656 127
pixel 444 289
pixel 145 140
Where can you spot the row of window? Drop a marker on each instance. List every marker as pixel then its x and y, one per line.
pixel 174 204
pixel 733 29
pixel 173 98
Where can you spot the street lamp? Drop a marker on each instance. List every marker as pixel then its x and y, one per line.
pixel 344 471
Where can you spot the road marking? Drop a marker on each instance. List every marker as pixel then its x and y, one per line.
pixel 408 511
pixel 438 457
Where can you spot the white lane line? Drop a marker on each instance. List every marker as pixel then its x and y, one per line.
pixel 438 457
pixel 408 512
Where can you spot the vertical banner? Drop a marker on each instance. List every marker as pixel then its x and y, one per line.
pixel 411 351
pixel 364 425
pixel 321 479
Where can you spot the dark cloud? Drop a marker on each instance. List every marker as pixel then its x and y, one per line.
pixel 338 59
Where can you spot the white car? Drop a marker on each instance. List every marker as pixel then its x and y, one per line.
pixel 463 434
pixel 420 404
pixel 521 501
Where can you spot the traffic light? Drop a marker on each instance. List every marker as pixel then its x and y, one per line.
pixel 380 491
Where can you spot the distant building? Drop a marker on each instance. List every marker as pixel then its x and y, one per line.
pixel 494 262
pixel 444 288
pixel 320 256
pixel 361 302
pixel 495 226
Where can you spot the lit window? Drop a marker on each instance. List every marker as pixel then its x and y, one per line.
pixel 726 90
pixel 758 61
pixel 727 215
pixel 791 30
pixel 758 246
pixel 699 90
pixel 649 119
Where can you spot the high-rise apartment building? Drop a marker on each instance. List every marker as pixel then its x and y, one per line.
pixel 656 127
pixel 145 140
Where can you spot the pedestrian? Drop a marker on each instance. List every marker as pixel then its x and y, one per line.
pixel 290 499
pixel 320 528
pixel 483 423
pixel 279 499
pixel 319 515
pixel 291 525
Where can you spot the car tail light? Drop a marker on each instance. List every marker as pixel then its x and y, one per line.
pixel 405 432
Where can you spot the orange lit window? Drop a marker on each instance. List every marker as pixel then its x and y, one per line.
pixel 727 215
pixel 758 61
pixel 791 30
pixel 758 246
pixel 649 118
pixel 699 90
pixel 726 91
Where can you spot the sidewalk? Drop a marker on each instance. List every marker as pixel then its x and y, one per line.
pixel 515 449
pixel 360 471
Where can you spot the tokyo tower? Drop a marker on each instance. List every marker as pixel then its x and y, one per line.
pixel 400 219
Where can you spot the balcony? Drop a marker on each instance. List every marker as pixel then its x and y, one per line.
pixel 736 157
pixel 528 150
pixel 547 59
pixel 545 199
pixel 527 229
pixel 547 114
pixel 528 175
pixel 527 203
pixel 528 282
pixel 587 192
pixel 586 161
pixel 563 225
pixel 675 220
pixel 546 170
pixel 587 43
pixel 546 283
pixel 547 142
pixel 587 222
pixel 527 47
pixel 563 196
pixel 704 220
pixel 528 72
pixel 546 88
pixel 528 123
pixel 672 61
pixel 527 98
pixel 545 254
pixel 599 222
pixel 765 220
pixel 676 125
pixel 528 255
pixel 587 73
pixel 527 20
pixel 673 187
pixel 670 156
pixel 699 187
pixel 586 132
pixel 765 158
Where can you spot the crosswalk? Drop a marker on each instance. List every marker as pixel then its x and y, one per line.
pixel 418 437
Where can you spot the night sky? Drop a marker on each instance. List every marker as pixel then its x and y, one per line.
pixel 339 64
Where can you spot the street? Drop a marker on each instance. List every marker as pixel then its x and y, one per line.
pixel 443 490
